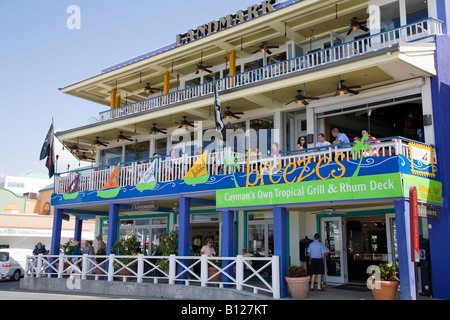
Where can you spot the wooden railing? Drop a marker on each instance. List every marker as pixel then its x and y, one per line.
pixel 359 47
pixel 234 272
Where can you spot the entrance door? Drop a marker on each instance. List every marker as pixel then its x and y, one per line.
pixel 332 236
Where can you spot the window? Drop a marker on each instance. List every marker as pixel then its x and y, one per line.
pixel 192 83
pixel 111 156
pixel 161 147
pixel 137 151
pixel 226 72
pixel 416 10
pixel 4 256
pixel 263 139
pixel 260 233
pixel 16 184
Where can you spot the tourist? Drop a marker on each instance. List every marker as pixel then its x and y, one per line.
pixel 322 142
pixel 340 138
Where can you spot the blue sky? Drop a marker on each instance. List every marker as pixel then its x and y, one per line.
pixel 39 54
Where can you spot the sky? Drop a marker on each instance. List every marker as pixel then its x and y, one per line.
pixel 39 54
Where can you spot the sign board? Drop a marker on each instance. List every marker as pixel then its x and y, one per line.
pixel 427 190
pixel 66 217
pixel 414 224
pixel 145 206
pixel 364 187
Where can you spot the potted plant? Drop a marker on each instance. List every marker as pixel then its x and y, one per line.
pixel 100 262
pixel 168 244
pixel 384 282
pixel 125 247
pixel 298 281
pixel 213 271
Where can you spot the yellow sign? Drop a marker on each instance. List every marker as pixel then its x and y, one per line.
pixel 423 155
pixel 290 168
pixel 199 168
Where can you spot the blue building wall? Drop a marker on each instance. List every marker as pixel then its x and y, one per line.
pixel 440 229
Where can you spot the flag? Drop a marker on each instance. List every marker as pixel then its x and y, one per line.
pixel 149 174
pixel 48 152
pixel 113 180
pixel 219 123
pixel 73 186
pixel 199 168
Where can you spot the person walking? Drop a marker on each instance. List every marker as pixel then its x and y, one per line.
pixel 316 254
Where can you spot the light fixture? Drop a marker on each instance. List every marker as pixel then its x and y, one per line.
pixel 148 88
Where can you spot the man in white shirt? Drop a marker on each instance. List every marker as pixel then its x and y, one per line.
pixel 322 142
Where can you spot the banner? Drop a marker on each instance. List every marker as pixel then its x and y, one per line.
pixel 427 190
pixel 352 188
pixel 48 152
pixel 199 171
pixel 149 174
pixel 113 180
pixel 73 187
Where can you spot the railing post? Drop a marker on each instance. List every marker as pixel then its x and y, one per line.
pixel 276 277
pixel 84 266
pixel 111 267
pixel 239 272
pixel 203 270
pixel 39 266
pixel 140 268
pixel 60 265
pixel 172 269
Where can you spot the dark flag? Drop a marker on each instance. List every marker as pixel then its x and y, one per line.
pixel 220 127
pixel 47 152
pixel 73 187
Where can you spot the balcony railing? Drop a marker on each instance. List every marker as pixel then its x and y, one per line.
pixel 168 169
pixel 359 47
pixel 235 272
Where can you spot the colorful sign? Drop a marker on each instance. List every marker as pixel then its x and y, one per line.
pixel 352 188
pixel 414 224
pixel 422 160
pixel 199 171
pixel 113 180
pixel 427 190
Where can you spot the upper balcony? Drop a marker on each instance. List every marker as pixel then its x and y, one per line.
pixel 356 49
pixel 228 169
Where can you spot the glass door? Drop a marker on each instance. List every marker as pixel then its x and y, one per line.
pixel 332 237
pixel 391 233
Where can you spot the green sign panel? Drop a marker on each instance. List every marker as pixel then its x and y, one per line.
pixel 352 188
pixel 427 190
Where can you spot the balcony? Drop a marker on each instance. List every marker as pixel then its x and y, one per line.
pixel 345 52
pixel 389 155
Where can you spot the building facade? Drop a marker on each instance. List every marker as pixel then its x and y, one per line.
pixel 280 71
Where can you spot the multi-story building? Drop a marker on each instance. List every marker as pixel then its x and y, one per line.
pixel 283 70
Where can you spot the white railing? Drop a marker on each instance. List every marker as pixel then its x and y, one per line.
pixel 258 274
pixel 170 169
pixel 408 33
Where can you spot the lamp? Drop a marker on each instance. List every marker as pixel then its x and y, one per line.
pixel 148 88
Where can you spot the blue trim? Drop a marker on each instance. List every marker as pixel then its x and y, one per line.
pixel 113 226
pixel 280 247
pixel 56 231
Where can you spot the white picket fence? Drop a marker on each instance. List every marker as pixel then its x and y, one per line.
pixel 257 274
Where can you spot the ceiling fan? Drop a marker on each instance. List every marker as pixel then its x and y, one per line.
pixel 148 89
pixel 342 89
pixel 84 157
pixel 329 211
pixel 76 148
pixel 155 130
pixel 301 99
pixel 265 48
pixel 121 137
pixel 355 25
pixel 184 123
pixel 201 67
pixel 228 114
pixel 98 143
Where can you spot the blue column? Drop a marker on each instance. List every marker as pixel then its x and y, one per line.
pixel 78 230
pixel 113 226
pixel 279 237
pixel 227 241
pixel 56 232
pixel 405 266
pixel 183 231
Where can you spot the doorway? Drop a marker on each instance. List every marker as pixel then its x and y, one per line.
pixel 296 126
pixel 367 244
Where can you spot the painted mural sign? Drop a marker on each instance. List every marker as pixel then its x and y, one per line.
pixel 427 190
pixel 422 161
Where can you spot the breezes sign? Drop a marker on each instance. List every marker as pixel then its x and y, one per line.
pixel 365 187
pixel 230 20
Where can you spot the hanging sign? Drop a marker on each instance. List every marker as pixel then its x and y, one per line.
pixel 414 224
pixel 145 206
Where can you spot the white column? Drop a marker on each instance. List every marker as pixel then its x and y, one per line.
pixel 427 108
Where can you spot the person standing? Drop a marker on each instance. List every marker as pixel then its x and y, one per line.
pixel 101 246
pixel 316 254
pixel 208 249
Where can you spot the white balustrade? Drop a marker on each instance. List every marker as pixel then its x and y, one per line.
pixel 258 274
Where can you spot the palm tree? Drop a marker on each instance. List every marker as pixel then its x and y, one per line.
pixel 359 145
pixel 231 161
